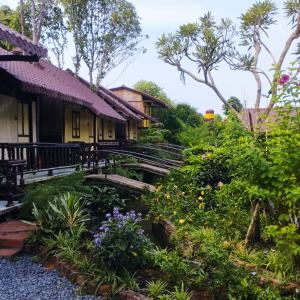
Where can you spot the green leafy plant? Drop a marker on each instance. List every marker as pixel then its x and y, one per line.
pixel 171 263
pixel 42 194
pixel 102 200
pixel 65 212
pixel 154 134
pixel 280 263
pixel 129 281
pixel 156 289
pixel 180 293
pixel 116 165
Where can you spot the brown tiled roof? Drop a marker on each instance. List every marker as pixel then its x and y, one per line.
pixel 251 116
pixel 43 78
pixel 122 106
pixel 144 95
pixel 18 40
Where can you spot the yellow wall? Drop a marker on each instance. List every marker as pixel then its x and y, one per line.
pixel 11 127
pixel 8 119
pixel 86 124
pixel 109 129
pixel 136 100
pixel 133 130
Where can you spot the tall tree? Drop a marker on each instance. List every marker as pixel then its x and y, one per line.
pixel 54 33
pixel 108 34
pixel 151 88
pixel 188 115
pixel 52 30
pixel 255 23
pixel 38 13
pixel 75 12
pixel 206 45
pixel 235 103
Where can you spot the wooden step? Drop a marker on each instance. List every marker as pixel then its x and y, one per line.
pixel 13 240
pixel 15 226
pixel 12 237
pixel 9 252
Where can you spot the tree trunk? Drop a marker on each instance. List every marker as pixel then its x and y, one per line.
pixel 91 77
pixel 253 233
pixel 22 17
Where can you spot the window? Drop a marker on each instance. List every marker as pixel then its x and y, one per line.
pixel 75 124
pixel 100 129
pixel 110 129
pixel 91 125
pixel 23 120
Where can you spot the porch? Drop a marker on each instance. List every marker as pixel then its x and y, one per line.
pixel 27 163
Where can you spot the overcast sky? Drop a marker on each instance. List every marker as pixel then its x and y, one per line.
pixel 164 16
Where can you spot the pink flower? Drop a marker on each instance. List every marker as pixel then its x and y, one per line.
pixel 284 79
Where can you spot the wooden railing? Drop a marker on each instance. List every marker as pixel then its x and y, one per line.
pixel 42 155
pixel 51 155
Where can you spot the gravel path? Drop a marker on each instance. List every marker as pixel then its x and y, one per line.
pixel 24 279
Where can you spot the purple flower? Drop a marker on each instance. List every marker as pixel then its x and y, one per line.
pixel 284 79
pixel 118 222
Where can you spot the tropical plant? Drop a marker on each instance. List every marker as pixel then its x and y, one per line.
pixel 66 212
pixel 156 289
pixel 177 267
pixel 181 293
pixel 116 166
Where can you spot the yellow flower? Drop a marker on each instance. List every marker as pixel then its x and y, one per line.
pixel 158 188
pixel 202 205
pixel 134 253
pixel 181 221
pixel 202 193
pixel 226 245
pixel 200 198
pixel 168 196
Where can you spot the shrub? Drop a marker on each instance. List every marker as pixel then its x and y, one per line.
pixel 103 200
pixel 120 241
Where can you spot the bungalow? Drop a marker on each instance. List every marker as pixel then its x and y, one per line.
pixel 42 103
pixel 143 102
pixel 133 117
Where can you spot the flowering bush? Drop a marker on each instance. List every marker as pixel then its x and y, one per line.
pixel 120 241
pixel 284 79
